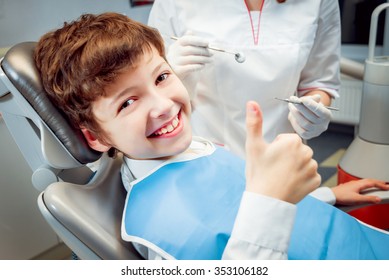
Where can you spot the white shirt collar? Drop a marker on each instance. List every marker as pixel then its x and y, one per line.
pixel 142 168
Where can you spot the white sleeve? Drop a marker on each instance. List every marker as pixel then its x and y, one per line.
pixel 262 229
pixel 324 194
pixel 322 69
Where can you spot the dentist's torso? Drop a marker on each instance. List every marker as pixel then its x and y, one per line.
pixel 276 42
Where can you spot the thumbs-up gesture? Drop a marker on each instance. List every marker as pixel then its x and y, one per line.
pixel 283 169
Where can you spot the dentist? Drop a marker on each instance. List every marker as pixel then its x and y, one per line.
pixel 292 48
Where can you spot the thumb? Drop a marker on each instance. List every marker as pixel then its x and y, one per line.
pixel 254 121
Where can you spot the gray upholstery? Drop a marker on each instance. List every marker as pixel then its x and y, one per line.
pixel 19 66
pixel 92 213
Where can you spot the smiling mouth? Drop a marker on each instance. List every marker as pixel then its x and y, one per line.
pixel 168 128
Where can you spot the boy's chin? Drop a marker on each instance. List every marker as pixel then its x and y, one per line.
pixel 183 144
pixel 181 147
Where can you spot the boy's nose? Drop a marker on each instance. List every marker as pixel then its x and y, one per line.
pixel 161 106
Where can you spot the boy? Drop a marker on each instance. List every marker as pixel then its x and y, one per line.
pixel 110 77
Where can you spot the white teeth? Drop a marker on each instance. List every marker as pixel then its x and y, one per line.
pixel 169 128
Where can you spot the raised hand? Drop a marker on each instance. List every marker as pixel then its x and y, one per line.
pixel 283 169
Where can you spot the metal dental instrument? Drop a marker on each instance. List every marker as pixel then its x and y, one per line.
pixel 239 56
pixel 299 102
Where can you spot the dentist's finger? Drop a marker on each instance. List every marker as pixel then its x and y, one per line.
pixel 317 108
pixel 299 122
pixel 192 40
pixel 194 59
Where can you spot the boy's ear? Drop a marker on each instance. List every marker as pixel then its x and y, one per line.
pixel 93 142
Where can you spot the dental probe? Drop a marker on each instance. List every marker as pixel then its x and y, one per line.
pixel 239 56
pixel 299 102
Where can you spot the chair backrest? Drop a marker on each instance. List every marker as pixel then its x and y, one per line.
pixel 46 139
pixel 88 217
pixel 19 66
pixel 84 212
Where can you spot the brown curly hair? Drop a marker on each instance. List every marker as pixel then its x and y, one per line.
pixel 79 60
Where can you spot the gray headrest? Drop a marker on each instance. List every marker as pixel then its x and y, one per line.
pixel 19 66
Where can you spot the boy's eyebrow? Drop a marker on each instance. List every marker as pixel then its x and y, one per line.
pixel 158 67
pixel 125 91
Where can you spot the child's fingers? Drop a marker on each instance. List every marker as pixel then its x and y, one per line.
pixel 365 184
pixel 369 199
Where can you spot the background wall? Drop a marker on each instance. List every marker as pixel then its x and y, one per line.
pixel 27 20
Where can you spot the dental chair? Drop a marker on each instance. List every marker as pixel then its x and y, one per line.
pixel 84 207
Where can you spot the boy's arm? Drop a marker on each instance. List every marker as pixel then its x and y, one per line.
pixel 278 175
pixel 261 230
pixel 324 194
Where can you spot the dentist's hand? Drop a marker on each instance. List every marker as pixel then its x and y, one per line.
pixel 283 169
pixel 188 54
pixel 310 118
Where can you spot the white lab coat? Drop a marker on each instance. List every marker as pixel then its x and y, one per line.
pixel 262 227
pixel 297 49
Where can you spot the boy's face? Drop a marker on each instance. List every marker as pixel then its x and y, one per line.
pixel 146 114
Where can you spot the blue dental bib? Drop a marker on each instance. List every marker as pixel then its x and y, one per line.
pixel 187 209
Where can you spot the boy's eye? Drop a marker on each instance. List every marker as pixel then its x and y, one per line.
pixel 127 103
pixel 161 78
